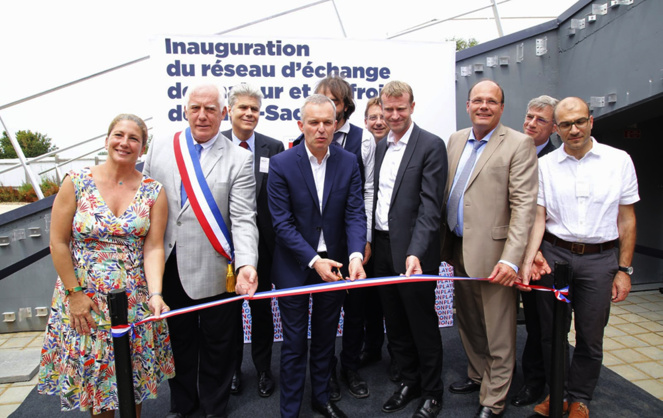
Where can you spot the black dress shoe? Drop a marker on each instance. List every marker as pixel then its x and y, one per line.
pixel 527 395
pixel 401 398
pixel 465 386
pixel 428 408
pixel 369 357
pixel 334 388
pixel 485 412
pixel 236 383
pixel 394 371
pixel 265 384
pixel 356 385
pixel 329 410
pixel 175 415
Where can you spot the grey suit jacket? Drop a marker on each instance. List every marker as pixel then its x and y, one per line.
pixel 227 169
pixel 499 201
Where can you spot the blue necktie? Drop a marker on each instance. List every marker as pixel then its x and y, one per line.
pixel 199 150
pixel 459 188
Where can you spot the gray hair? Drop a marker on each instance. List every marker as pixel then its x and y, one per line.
pixel 244 89
pixel 542 102
pixel 317 99
pixel 206 85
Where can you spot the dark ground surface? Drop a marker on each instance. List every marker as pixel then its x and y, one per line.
pixel 614 396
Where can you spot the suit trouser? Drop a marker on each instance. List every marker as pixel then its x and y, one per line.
pixel 203 348
pixel 590 292
pixel 537 355
pixel 412 324
pixel 324 324
pixel 534 371
pixel 373 315
pixel 486 316
pixel 362 324
pixel 262 319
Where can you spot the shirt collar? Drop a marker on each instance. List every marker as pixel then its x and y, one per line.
pixel 208 144
pixel 404 139
pixel 485 138
pixel 312 158
pixel 251 141
pixel 345 128
pixel 595 151
pixel 542 146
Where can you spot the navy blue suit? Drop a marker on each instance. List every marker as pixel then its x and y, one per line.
pixel 298 222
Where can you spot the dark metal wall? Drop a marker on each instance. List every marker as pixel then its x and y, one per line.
pixel 618 57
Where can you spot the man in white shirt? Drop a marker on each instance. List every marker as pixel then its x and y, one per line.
pixel 539 125
pixel 586 198
pixel 411 171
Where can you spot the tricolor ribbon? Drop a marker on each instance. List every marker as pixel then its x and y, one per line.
pixel 200 196
pixel 121 330
pixel 560 294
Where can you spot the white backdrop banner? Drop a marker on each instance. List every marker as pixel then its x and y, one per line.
pixel 287 71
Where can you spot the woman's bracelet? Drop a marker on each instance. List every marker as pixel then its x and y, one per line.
pixel 69 291
pixel 154 294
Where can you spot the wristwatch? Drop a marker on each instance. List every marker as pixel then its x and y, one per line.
pixel 628 270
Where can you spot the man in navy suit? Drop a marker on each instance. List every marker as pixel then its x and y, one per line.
pixel 410 176
pixel 539 125
pixel 314 193
pixel 244 101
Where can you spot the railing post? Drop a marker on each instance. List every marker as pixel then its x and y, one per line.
pixel 562 278
pixel 118 307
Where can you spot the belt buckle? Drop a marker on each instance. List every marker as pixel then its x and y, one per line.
pixel 577 248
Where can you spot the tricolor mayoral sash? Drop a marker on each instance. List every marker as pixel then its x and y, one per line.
pixel 202 201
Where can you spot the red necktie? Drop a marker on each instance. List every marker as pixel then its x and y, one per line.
pixel 244 145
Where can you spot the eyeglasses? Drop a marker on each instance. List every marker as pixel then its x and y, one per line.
pixel 579 123
pixel 540 121
pixel 373 118
pixel 489 102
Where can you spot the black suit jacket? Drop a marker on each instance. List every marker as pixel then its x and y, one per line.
pixel 265 147
pixel 416 203
pixel 550 147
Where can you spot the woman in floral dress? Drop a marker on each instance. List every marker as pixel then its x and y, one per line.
pixel 107 231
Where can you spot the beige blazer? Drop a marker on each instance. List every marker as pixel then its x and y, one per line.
pixel 229 173
pixel 499 201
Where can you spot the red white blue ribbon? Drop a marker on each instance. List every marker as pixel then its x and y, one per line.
pixel 119 331
pixel 200 196
pixel 560 294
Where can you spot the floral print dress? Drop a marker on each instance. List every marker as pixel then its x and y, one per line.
pixel 107 252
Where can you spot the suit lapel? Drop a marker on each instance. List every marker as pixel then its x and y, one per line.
pixel 260 151
pixel 330 173
pixel 455 153
pixel 380 150
pixel 307 174
pixel 407 155
pixel 495 140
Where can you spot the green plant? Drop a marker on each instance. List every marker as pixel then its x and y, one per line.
pixel 25 192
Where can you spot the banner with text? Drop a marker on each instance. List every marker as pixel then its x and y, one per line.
pixel 287 71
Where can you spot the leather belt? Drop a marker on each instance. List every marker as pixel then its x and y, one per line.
pixel 579 248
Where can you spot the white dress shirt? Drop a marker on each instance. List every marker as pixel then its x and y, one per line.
pixel 582 197
pixel 319 170
pixel 206 146
pixel 388 170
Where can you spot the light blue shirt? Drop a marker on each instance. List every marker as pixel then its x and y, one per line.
pixel 461 164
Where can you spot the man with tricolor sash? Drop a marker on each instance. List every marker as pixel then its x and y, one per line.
pixel 211 245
